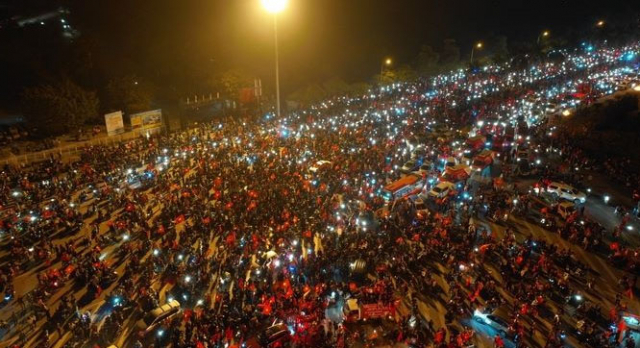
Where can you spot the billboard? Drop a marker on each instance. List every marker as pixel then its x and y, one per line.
pixel 114 123
pixel 146 119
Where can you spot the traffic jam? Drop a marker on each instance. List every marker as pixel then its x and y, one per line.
pixel 448 212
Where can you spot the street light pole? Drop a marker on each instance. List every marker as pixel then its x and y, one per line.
pixel 274 7
pixel 386 62
pixel 543 34
pixel 473 48
pixel 275 30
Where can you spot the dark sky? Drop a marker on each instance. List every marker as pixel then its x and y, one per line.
pixel 349 38
pixel 320 39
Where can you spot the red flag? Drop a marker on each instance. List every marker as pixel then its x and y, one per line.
pixel 231 238
pixel 622 326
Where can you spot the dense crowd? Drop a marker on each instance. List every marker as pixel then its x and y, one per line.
pixel 239 222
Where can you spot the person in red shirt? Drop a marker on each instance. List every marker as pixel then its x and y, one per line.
pixel 498 342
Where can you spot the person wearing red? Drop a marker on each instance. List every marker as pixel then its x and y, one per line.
pixel 498 342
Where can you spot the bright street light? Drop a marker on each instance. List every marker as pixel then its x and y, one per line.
pixel 275 7
pixel 479 46
pixel 543 34
pixel 385 62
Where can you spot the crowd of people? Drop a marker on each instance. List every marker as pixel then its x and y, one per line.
pixel 247 222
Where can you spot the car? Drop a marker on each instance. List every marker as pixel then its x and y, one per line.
pixel 425 167
pixel 319 165
pixel 442 189
pixel 409 166
pixel 624 85
pixel 567 192
pixel 632 321
pixel 276 335
pixel 492 321
pixel 523 168
pixel 566 209
pixel 418 152
pixel 422 212
pixel 450 162
pixel 155 317
pixel 523 154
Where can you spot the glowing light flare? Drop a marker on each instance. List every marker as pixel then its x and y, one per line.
pixel 274 6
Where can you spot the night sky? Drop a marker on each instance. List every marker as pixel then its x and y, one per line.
pixel 320 39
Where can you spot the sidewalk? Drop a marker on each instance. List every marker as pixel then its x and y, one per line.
pixel 70 148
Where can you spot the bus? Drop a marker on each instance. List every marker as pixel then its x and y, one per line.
pixel 403 187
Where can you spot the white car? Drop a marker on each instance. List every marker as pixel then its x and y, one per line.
pixel 154 318
pixel 442 189
pixel 564 191
pixel 422 211
pixel 492 321
pixel 409 166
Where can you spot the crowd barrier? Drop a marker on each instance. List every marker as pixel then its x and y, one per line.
pixel 71 150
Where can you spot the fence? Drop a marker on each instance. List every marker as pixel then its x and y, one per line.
pixel 66 152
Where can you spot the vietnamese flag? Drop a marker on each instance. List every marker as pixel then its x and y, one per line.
pixel 130 207
pixel 187 315
pixel 231 238
pixel 439 338
pixel 519 260
pixel 622 326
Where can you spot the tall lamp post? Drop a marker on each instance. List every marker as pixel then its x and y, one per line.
pixel 478 46
pixel 543 34
pixel 387 62
pixel 275 7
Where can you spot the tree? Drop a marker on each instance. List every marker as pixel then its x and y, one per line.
pixel 129 94
pixel 427 61
pixel 359 89
pixel 231 82
pixel 313 93
pixel 58 108
pixel 450 56
pixel 405 74
pixel 335 86
pixel 500 50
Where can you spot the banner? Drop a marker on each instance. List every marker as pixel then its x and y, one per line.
pixel 137 121
pixel 114 123
pixel 147 118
